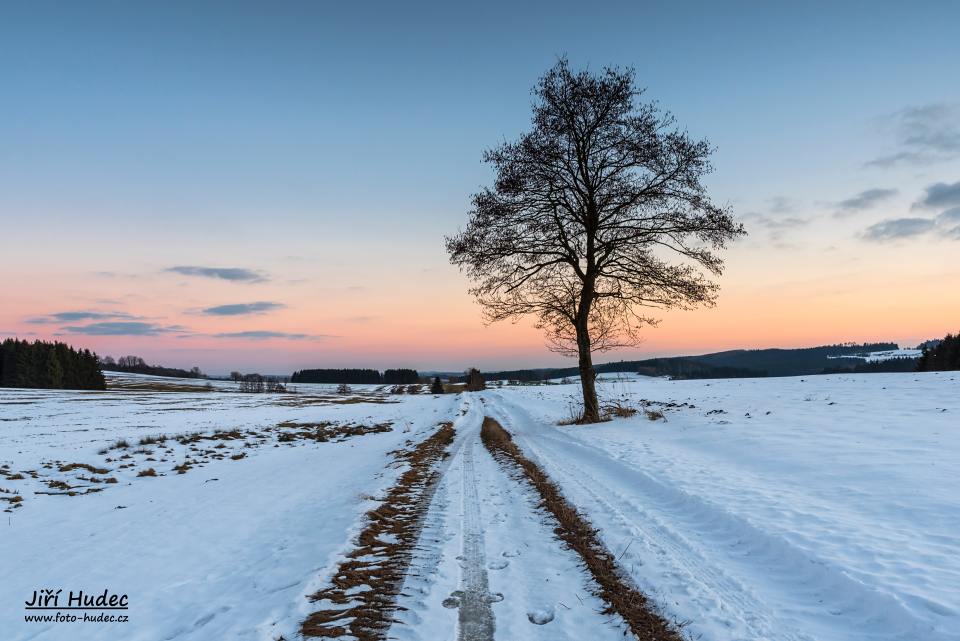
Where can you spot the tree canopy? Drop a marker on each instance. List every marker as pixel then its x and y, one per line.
pixel 48 366
pixel 596 215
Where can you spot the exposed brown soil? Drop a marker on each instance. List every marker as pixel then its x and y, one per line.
pixel 574 530
pixel 361 599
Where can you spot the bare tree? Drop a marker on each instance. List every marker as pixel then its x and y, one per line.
pixel 474 380
pixel 596 214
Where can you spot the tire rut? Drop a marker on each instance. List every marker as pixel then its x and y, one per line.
pixel 476 621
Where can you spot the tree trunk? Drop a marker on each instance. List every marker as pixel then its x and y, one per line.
pixel 591 407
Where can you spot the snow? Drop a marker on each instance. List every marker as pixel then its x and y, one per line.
pixel 823 507
pixel 537 589
pixel 885 355
pixel 819 507
pixel 226 551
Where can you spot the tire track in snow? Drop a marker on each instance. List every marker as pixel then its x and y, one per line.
pixel 476 615
pixel 684 533
pixel 492 550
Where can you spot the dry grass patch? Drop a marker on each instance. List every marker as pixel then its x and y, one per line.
pixel 618 410
pixel 84 466
pixel 323 432
pixel 361 599
pixel 158 386
pixel 14 501
pixel 573 529
pixel 184 467
pixel 353 400
pixel 147 472
pixel 654 415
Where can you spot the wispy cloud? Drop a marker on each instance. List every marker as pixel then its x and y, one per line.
pixel 240 309
pixel 262 334
pixel 949 216
pixel 236 274
pixel 72 317
pixel 782 204
pixel 122 328
pixel 925 134
pixel 864 200
pixel 939 195
pixel 898 229
pixel 945 225
pixel 776 226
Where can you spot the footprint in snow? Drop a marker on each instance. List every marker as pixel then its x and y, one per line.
pixel 498 565
pixel 511 553
pixel 453 601
pixel 541 616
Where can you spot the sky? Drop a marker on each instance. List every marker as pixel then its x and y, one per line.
pixel 266 186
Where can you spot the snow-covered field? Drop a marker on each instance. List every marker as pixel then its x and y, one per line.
pixel 886 355
pixel 225 551
pixel 822 507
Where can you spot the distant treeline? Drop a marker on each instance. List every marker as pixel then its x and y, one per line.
pixel 686 368
pixel 795 362
pixel 944 356
pixel 740 363
pixel 679 367
pixel 48 366
pixel 356 376
pixel 901 364
pixel 137 365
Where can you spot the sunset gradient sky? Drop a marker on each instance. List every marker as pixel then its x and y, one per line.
pixel 267 185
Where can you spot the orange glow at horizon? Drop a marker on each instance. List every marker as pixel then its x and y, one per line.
pixel 401 321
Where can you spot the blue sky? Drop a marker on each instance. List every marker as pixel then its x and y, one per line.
pixel 331 145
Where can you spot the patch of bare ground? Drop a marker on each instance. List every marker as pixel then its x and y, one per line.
pixel 9 474
pixel 84 466
pixel 158 386
pixel 322 432
pixel 573 529
pixel 361 599
pixel 183 452
pixel 307 401
pixel 12 497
